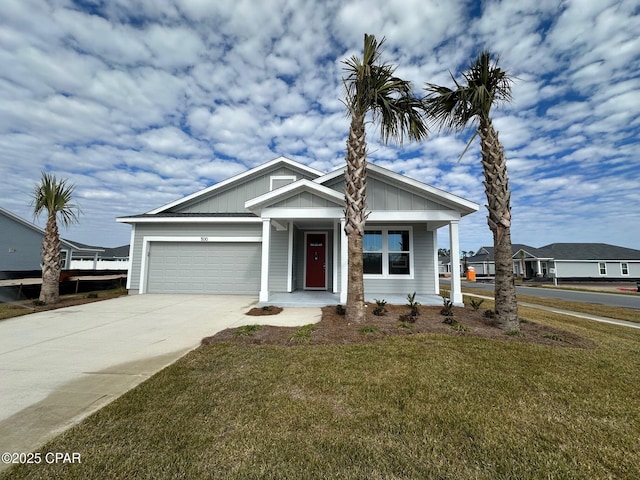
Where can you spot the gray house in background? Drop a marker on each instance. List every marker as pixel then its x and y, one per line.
pixel 21 245
pixel 599 261
pixel 279 227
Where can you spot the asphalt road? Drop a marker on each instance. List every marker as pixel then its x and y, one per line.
pixel 609 299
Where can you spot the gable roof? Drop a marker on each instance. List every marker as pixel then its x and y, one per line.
pixel 291 189
pixel 68 244
pixel 455 202
pixel 238 178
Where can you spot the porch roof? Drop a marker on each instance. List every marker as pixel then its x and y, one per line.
pixel 255 205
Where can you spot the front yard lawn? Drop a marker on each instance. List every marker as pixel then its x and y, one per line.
pixel 422 405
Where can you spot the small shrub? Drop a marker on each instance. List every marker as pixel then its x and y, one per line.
pixel 340 310
pixel 447 309
pixel 247 330
pixel 413 305
pixel 489 314
pixel 92 295
pixel 476 303
pixel 407 318
pixel 303 334
pixel 39 303
pixel 515 333
pixel 554 337
pixel 369 330
pixel 405 324
pixel 449 321
pixel 458 327
pixel 267 308
pixel 380 309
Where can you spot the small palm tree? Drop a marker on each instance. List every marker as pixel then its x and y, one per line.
pixel 372 88
pixel 484 85
pixel 55 198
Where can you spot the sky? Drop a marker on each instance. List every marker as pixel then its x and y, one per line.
pixel 141 102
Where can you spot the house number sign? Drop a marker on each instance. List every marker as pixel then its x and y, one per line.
pixel 204 239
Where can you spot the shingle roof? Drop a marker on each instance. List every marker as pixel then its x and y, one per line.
pixel 566 251
pixel 588 251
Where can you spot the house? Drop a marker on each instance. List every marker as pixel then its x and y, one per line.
pixel 578 261
pixel 21 245
pixel 279 228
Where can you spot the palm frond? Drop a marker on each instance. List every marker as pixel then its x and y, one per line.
pixel 55 197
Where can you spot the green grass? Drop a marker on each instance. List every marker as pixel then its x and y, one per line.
pixel 420 406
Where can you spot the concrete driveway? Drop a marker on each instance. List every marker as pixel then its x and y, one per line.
pixel 59 366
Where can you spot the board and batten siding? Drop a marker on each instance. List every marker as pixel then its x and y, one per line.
pixel 383 196
pixel 304 200
pixel 183 230
pixel 232 198
pixel 424 275
pixel 278 260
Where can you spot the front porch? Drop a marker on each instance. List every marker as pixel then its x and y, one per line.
pixel 305 298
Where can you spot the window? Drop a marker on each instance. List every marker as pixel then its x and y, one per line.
pixel 602 266
pixel 372 252
pixel 387 252
pixel 625 268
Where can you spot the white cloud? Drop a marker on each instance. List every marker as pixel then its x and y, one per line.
pixel 140 102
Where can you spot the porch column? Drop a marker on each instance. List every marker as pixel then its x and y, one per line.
pixel 290 259
pixel 344 264
pixel 264 270
pixel 454 245
pixel 538 269
pixel 436 262
pixel 336 259
pixel 95 261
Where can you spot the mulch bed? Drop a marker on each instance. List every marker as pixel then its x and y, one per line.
pixel 263 311
pixel 333 329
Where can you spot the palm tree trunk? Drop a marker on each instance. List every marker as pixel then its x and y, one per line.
pixel 498 198
pixel 355 215
pixel 50 290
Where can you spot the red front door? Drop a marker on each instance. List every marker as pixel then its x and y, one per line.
pixel 316 265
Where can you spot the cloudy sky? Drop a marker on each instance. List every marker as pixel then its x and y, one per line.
pixel 141 102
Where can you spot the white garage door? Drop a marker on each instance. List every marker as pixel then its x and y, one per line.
pixel 180 267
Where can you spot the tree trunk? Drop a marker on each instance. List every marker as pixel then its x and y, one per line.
pixel 355 186
pixel 50 290
pixel 498 198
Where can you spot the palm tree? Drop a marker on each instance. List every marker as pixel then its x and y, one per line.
pixel 372 88
pixel 55 198
pixel 484 85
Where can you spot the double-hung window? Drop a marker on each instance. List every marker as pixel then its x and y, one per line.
pixel 624 267
pixel 602 267
pixel 387 252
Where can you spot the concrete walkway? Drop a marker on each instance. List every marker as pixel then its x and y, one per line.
pixel 59 366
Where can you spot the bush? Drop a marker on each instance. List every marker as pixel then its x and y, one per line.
pixel 380 309
pixel 303 334
pixel 92 295
pixel 340 310
pixel 247 330
pixel 447 309
pixel 475 303
pixel 413 305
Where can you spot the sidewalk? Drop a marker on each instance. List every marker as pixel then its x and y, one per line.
pixel 586 316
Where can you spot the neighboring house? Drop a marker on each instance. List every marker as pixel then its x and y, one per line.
pixel 565 260
pixel 279 227
pixel 21 245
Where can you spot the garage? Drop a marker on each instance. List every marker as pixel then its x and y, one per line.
pixel 204 267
